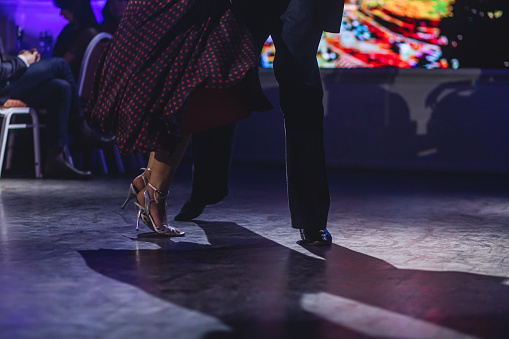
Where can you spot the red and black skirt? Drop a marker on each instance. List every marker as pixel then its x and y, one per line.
pixel 174 66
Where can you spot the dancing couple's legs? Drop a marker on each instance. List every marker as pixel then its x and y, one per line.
pixel 296 31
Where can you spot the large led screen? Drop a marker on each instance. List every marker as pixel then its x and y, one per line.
pixel 416 33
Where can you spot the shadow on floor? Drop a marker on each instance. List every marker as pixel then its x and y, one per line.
pixel 259 288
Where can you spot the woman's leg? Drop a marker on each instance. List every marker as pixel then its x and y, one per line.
pixel 162 168
pixel 141 180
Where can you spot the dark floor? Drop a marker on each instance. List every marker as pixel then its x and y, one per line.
pixel 414 256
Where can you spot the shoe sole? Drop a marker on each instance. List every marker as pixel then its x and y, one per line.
pixel 314 243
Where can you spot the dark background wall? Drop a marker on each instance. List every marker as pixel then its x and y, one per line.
pixel 454 120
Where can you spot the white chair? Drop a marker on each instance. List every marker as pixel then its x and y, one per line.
pixel 7 115
pixel 85 82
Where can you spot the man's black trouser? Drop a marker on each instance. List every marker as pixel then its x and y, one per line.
pixel 296 32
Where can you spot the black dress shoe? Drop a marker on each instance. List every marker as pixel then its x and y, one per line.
pixel 64 170
pixel 315 237
pixel 57 167
pixel 94 139
pixel 189 211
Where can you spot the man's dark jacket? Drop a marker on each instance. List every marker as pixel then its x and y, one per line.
pixel 331 13
pixel 11 68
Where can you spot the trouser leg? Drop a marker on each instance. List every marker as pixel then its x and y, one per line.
pixel 212 150
pixel 39 73
pixel 308 189
pixel 301 97
pixel 55 96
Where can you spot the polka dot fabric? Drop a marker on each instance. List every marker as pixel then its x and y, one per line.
pixel 161 52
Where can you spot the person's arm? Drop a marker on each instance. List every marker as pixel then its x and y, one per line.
pixel 11 67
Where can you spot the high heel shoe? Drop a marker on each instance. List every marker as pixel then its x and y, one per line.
pixel 145 215
pixel 133 190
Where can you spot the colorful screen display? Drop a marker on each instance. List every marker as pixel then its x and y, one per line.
pixel 416 33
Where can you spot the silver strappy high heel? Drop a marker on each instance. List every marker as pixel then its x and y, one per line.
pixel 146 217
pixel 133 191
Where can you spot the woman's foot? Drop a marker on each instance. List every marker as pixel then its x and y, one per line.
pixel 153 211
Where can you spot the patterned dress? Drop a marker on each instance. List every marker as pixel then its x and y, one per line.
pixel 161 53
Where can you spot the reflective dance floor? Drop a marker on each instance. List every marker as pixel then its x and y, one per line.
pixel 415 255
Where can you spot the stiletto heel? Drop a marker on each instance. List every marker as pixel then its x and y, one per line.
pixel 138 218
pixel 131 195
pixel 133 191
pixel 145 215
pixel 141 215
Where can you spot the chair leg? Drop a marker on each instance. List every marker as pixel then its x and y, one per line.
pixel 132 161
pixel 9 150
pixel 37 144
pixel 140 160
pixel 3 139
pixel 68 156
pixel 103 161
pixel 118 159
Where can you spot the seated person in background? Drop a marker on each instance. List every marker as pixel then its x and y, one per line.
pixel 112 13
pixel 25 79
pixel 73 40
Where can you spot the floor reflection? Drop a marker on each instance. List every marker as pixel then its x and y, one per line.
pixel 257 286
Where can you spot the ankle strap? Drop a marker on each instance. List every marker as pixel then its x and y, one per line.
pixel 162 195
pixel 143 176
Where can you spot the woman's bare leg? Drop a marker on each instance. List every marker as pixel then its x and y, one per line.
pixel 140 181
pixel 162 168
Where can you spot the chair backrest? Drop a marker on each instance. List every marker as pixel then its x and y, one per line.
pixel 2 49
pixel 89 64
